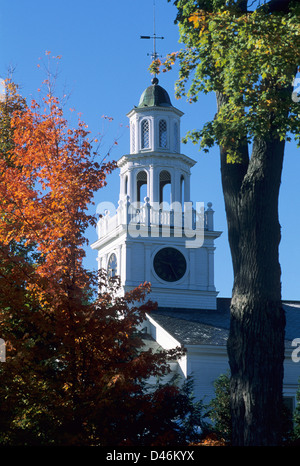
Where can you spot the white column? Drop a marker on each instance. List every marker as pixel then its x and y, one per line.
pixel 131 187
pixel 210 262
pixel 123 264
pixel 138 134
pixel 155 185
pixel 151 181
pixel 177 187
pixel 192 274
pixel 120 261
pixel 173 184
pixel 123 183
pixel 210 217
pixel 128 265
pixel 187 188
pixel 152 135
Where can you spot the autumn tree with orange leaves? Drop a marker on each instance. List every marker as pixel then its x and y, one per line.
pixel 76 367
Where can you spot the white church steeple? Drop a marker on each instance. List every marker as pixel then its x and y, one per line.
pixel 157 235
pixel 155 168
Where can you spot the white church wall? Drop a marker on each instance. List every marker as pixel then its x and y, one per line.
pixel 291 381
pixel 291 372
pixel 163 338
pixel 177 298
pixel 167 342
pixel 205 365
pixel 201 267
pixel 135 268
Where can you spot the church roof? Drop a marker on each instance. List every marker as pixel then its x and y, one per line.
pixel 211 327
pixel 155 96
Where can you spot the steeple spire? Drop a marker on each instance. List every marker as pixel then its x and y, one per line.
pixel 154 55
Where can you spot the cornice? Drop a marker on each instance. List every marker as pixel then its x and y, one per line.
pixel 156 155
pixel 154 109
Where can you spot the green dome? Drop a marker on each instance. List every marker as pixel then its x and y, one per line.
pixel 155 96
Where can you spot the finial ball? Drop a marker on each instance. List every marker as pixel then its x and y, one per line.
pixel 154 81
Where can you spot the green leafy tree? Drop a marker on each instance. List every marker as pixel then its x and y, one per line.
pixel 220 412
pixel 247 53
pixel 194 425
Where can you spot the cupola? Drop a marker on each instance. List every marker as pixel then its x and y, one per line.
pixel 155 167
pixel 155 96
pixel 154 123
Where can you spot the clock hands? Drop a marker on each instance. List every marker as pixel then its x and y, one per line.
pixel 173 271
pixel 171 267
pixel 169 264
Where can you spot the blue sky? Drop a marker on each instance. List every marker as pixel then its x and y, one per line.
pixel 103 70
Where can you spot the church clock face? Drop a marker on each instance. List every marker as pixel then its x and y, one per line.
pixel 112 266
pixel 169 264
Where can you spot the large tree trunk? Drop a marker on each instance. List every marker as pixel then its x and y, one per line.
pixel 257 326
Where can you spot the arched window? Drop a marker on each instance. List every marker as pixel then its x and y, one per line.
pixel 163 134
pixel 112 266
pixel 145 133
pixel 165 188
pixel 141 185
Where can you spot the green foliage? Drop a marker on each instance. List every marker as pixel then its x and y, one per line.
pixel 251 58
pixel 220 407
pixel 193 424
pixel 220 414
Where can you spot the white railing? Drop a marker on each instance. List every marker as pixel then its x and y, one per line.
pixel 156 215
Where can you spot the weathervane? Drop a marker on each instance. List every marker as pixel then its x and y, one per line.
pixel 154 54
